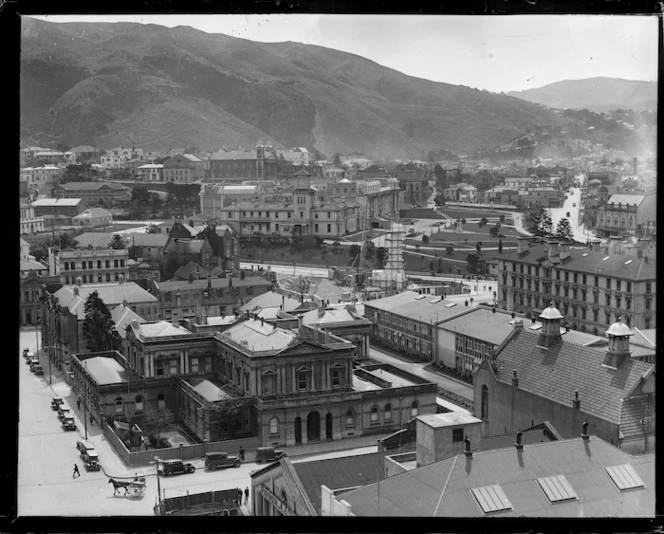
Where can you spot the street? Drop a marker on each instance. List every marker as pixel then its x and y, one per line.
pixel 572 205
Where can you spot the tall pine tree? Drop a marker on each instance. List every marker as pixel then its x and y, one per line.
pixel 564 230
pixel 98 326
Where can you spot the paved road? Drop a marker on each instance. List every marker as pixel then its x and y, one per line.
pixel 417 368
pixel 578 229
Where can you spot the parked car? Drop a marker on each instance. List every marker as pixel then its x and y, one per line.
pixel 31 361
pixel 68 423
pixel 83 446
pixel 37 369
pixel 27 354
pixel 268 454
pixel 63 410
pixel 216 460
pixel 57 401
pixel 91 460
pixel 176 467
pixel 567 214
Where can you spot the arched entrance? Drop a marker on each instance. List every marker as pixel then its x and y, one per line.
pixel 298 430
pixel 328 427
pixel 313 426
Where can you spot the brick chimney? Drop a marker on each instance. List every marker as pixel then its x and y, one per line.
pixel 515 379
pixel 300 324
pixel 174 320
pixel 596 245
pixel 522 244
pixel 553 251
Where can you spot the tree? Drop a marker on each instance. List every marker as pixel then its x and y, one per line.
pixel 494 231
pixel 439 200
pixel 151 229
pixel 98 326
pixel 500 246
pixel 478 247
pixel 354 251
pixel 226 415
pixel 425 239
pixel 382 253
pixel 117 242
pixel 472 259
pixel 449 249
pixel 564 230
pixel 483 222
pixel 336 159
pixel 369 250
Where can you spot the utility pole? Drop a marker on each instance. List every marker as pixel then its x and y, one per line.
pixel 85 406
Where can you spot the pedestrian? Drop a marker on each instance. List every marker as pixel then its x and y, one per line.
pixel 246 494
pixel 76 471
pixel 92 420
pixel 239 496
pixel 241 453
pixel 78 403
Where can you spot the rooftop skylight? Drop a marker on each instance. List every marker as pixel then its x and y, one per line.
pixel 491 499
pixel 624 477
pixel 557 488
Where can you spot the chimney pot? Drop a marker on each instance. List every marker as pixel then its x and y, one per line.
pixel 467 451
pixel 518 444
pixel 515 380
pixel 584 434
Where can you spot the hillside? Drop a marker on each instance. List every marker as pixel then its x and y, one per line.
pixel 594 94
pixel 155 87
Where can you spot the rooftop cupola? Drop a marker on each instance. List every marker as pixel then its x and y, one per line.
pixel 550 333
pixel 618 334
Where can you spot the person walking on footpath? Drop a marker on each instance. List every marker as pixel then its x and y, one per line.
pixel 76 471
pixel 78 403
pixel 241 453
pixel 239 496
pixel 246 494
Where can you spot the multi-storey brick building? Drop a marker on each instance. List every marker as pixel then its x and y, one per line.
pixel 91 265
pixel 591 287
pixel 183 169
pixel 110 193
pixel 628 213
pixel 237 166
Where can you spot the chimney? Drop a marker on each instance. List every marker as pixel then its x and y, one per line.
pixel 517 324
pixel 79 281
pixel 262 321
pixel 576 402
pixel 618 334
pixel 515 380
pixel 467 451
pixel 553 248
pixel 76 290
pixel 584 433
pixel 522 244
pixel 550 333
pixel 321 310
pixel 300 323
pixel 596 245
pixel 614 244
pixel 174 320
pixel 134 325
pixel 518 444
pixel 124 303
pixel 565 251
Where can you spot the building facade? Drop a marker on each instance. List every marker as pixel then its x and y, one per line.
pixel 91 266
pixel 237 166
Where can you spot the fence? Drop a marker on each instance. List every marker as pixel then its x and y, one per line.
pixel 182 452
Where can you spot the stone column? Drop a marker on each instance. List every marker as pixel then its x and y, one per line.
pixel 304 431
pixel 323 424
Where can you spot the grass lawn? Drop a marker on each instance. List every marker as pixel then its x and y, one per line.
pixel 329 258
pixel 473 213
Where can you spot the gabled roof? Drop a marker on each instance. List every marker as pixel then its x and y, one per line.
pixel 91 213
pixel 233 155
pixel 106 370
pixel 190 268
pixel 481 323
pixel 214 282
pixel 330 317
pixel 30 265
pixel 56 202
pixel 626 199
pixel 91 186
pixel 271 299
pixel 149 240
pixel 415 306
pixel 256 336
pixel 444 489
pixel 210 391
pixel 94 239
pixel 338 473
pixel 111 293
pixel 558 372
pixel 155 329
pixel 122 316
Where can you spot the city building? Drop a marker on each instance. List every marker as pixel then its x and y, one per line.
pixel 214 196
pixel 28 223
pixel 577 477
pixel 628 214
pixel 546 197
pixel 591 287
pixel 118 158
pixel 92 217
pixel 542 376
pixel 183 169
pixel 413 181
pixel 236 166
pixel 108 193
pixel 297 155
pixel 196 299
pixel 67 208
pixel 461 192
pixel 63 314
pixel 148 247
pixel 41 178
pixel 91 265
pixel 150 172
pixel 209 245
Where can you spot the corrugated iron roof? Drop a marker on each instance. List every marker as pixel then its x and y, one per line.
pixel 105 370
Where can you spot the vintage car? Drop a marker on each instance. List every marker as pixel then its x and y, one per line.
pixel 27 354
pixel 68 423
pixel 91 460
pixel 37 369
pixel 31 361
pixel 217 460
pixel 175 467
pixel 268 454
pixel 63 410
pixel 57 401
pixel 83 446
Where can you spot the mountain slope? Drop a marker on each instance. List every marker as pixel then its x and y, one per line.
pixel 155 87
pixel 594 94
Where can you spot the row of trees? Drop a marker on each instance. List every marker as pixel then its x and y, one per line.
pixel 539 222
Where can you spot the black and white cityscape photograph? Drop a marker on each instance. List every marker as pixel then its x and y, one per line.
pixel 354 265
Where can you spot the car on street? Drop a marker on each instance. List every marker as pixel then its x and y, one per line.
pixel 268 454
pixel 84 445
pixel 217 460
pixel 31 361
pixel 175 467
pixel 68 423
pixel 37 369
pixel 91 460
pixel 63 410
pixel 57 401
pixel 28 354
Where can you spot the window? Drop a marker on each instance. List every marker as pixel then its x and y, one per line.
pixel 485 402
pixel 413 409
pixel 108 264
pixel 648 302
pixel 648 287
pixel 316 228
pixel 629 287
pixel 98 264
pixel 350 419
pixel 336 376
pixel 194 365
pixel 329 228
pixel 139 403
pixel 625 477
pixel 274 426
pixel 597 281
pixel 387 413
pixel 457 435
pixel 115 263
pixel 302 380
pixel 161 401
pixel 119 406
pixel 90 265
pixel 66 266
pixel 557 488
pixel 373 417
pixel 173 367
pixel 99 278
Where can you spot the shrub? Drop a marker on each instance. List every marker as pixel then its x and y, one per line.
pixel 449 249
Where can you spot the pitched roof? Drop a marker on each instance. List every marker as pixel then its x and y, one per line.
pixel 210 391
pixel 91 186
pixel 558 372
pixel 415 306
pixel 271 299
pixel 55 202
pixel 588 261
pixel 122 316
pixel 106 370
pixel 93 213
pixel 481 323
pixel 626 198
pixel 256 336
pixel 160 329
pixel 333 316
pixel 149 240
pixel 338 473
pixel 232 155
pixel 111 293
pixel 94 239
pixel 215 282
pixel 444 489
pixel 30 265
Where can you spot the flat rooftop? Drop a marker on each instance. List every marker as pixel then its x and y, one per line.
pixel 438 420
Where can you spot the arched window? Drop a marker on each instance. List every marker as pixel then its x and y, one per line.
pixel 413 409
pixel 139 403
pixel 485 402
pixel 161 401
pixel 373 418
pixel 119 406
pixel 274 426
pixel 350 419
pixel 387 414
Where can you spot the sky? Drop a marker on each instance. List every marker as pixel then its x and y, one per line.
pixel 496 53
